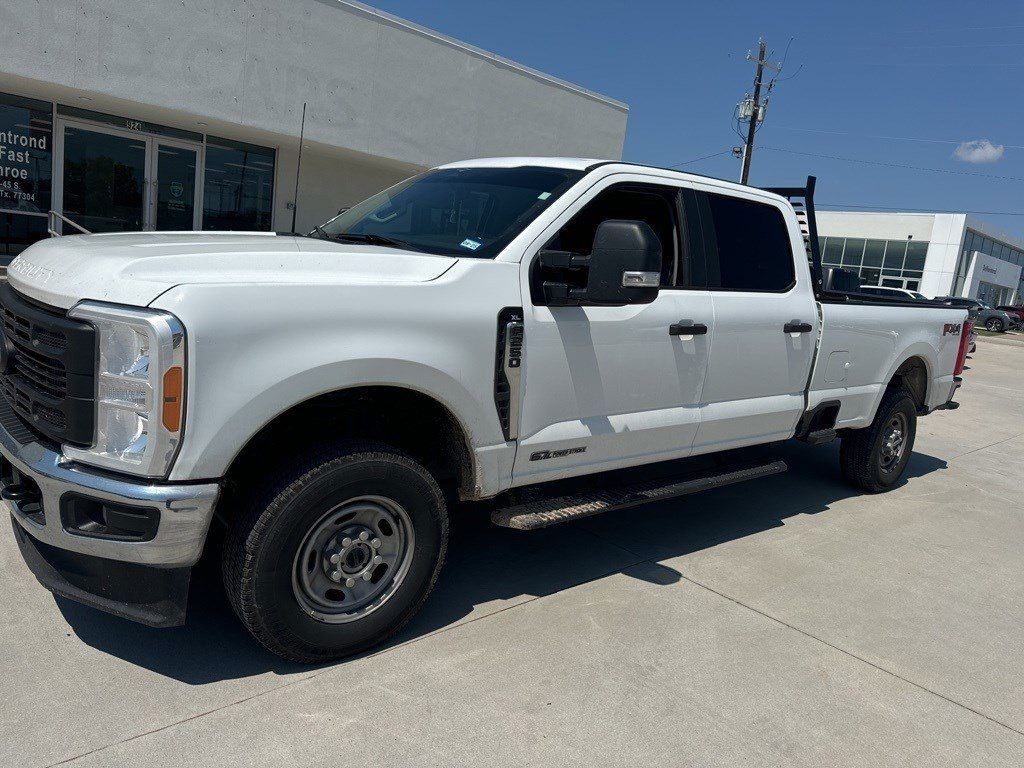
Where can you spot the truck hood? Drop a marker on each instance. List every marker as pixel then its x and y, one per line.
pixel 134 268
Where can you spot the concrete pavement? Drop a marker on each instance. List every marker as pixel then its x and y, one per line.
pixel 786 621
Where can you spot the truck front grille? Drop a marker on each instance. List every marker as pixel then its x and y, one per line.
pixel 47 369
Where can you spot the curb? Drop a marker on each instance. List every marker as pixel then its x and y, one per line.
pixel 1010 342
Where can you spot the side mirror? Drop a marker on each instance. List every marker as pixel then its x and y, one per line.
pixel 624 267
pixel 625 264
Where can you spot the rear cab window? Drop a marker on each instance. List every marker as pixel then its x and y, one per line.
pixel 747 245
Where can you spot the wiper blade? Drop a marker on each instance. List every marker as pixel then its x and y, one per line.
pixel 372 239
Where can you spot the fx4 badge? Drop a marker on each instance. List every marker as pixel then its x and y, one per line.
pixel 544 455
pixel 951 329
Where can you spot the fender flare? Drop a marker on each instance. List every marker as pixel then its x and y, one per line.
pixel 217 456
pixel 921 350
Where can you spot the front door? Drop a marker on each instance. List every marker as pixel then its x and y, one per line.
pixel 115 180
pixel 607 387
pixel 175 180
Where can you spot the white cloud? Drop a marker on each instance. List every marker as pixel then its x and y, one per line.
pixel 980 151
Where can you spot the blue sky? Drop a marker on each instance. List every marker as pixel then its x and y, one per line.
pixel 884 84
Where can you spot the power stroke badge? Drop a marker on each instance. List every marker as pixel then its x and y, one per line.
pixel 544 455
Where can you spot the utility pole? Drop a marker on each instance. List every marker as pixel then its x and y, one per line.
pixel 748 148
pixel 751 110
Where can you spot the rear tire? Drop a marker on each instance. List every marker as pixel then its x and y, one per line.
pixel 874 458
pixel 337 553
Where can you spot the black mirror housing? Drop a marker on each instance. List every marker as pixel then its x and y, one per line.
pixel 625 264
pixel 624 267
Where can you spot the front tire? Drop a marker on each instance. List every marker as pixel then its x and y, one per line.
pixel 874 458
pixel 336 555
pixel 995 325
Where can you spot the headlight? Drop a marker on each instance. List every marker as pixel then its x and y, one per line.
pixel 140 389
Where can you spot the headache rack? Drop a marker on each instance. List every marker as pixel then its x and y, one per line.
pixel 833 291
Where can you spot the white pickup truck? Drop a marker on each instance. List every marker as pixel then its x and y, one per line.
pixel 488 330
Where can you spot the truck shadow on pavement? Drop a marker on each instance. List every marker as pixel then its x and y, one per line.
pixel 489 569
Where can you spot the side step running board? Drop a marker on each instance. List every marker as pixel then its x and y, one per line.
pixel 540 513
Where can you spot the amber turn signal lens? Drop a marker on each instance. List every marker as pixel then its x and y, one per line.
pixel 173 383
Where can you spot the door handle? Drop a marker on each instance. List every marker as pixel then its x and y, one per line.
pixel 795 326
pixel 687 328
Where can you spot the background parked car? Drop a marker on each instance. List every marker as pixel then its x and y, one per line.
pixel 982 314
pixel 881 290
pixel 1015 311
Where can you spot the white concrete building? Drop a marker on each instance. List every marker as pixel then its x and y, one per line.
pixel 938 254
pixel 185 115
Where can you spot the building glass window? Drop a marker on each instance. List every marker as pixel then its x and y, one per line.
pixel 974 241
pixel 833 251
pixel 238 191
pixel 853 253
pixel 26 172
pixel 873 253
pixel 916 252
pixel 895 250
pixel 18 232
pixel 892 263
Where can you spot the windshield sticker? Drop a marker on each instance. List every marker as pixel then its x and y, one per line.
pixel 543 195
pixel 471 244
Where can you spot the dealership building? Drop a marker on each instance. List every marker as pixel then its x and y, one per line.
pixel 937 254
pixel 177 116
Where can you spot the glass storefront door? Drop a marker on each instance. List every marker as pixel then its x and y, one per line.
pixel 176 178
pixel 114 180
pixel 104 179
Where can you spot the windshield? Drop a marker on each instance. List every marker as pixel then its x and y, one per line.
pixel 454 211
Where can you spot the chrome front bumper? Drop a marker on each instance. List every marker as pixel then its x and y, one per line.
pixel 185 510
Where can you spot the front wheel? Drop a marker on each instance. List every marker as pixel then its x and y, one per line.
pixel 336 555
pixel 874 458
pixel 995 325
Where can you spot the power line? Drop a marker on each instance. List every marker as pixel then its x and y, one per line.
pixel 697 160
pixel 897 165
pixel 890 138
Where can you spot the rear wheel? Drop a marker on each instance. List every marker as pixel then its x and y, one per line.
pixel 874 458
pixel 995 325
pixel 336 555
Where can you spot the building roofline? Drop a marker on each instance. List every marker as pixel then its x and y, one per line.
pixel 970 222
pixel 400 23
pixel 993 232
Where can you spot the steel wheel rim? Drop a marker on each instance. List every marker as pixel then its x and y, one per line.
pixel 353 559
pixel 894 442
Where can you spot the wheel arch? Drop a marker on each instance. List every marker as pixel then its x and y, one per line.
pixel 410 420
pixel 912 372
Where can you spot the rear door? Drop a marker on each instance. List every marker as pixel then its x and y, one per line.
pixel 606 387
pixel 766 320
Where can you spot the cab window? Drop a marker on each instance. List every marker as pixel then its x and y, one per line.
pixel 748 246
pixel 652 204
